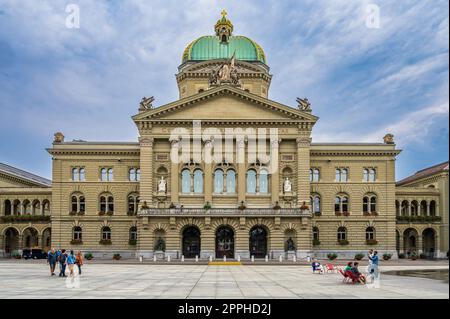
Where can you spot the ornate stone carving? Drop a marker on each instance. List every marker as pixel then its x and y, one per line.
pixel 225 73
pixel 162 185
pixel 304 104
pixel 287 186
pixel 59 137
pixel 389 139
pixel 146 141
pixel 303 141
pixel 146 103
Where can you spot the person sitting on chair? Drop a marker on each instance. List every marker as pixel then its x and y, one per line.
pixel 357 274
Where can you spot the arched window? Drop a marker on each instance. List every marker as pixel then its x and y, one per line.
pixel 198 181
pixel 372 175
pixel 74 204
pixel 16 207
pixel 75 174
pixel 414 208
pixel 185 181
pixel 231 181
pixel 370 204
pixel 35 206
pixel 103 204
pixel 106 233
pixel 433 208
pixel 132 175
pixel 423 207
pixel 405 208
pixel 106 204
pixel 315 231
pixel 46 207
pixel 138 174
pixel 365 175
pixel 370 233
pixel 82 174
pixel 263 181
pixel 315 203
pixel 397 208
pixel 26 207
pixel 344 175
pixel 373 204
pixel 341 204
pixel 338 175
pixel 110 174
pixel 342 234
pixel 218 181
pixel 133 204
pixel 314 175
pixel 103 175
pixel 7 207
pixel 133 233
pixel 77 233
pixel 251 181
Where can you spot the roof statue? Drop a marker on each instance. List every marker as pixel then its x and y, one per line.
pixel 146 103
pixel 225 73
pixel 304 104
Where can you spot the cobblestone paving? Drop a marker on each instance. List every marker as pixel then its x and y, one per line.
pixel 32 280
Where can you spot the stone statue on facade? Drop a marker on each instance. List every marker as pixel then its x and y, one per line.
pixel 162 185
pixel 304 104
pixel 287 185
pixel 388 139
pixel 226 73
pixel 160 244
pixel 290 244
pixel 146 103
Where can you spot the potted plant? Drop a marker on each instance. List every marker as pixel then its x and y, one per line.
pixel 81 213
pixel 401 256
pixel 105 242
pixel 343 242
pixel 413 256
pixel 117 257
pixel 132 242
pixel 387 256
pixel 101 213
pixel 366 214
pixel 88 256
pixel 110 213
pixel 144 205
pixel 207 206
pixel 72 213
pixel 346 213
pixel 16 255
pixel 76 242
pixel 304 206
pixel 332 256
pixel 316 242
pixel 338 213
pixel 359 256
pixel 172 206
pixel 371 242
pixel 276 206
pixel 374 214
pixel 423 256
pixel 242 206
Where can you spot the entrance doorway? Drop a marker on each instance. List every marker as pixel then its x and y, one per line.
pixel 11 241
pixel 191 242
pixel 224 242
pixel 258 242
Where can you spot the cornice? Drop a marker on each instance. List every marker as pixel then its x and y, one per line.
pixel 355 152
pixel 65 151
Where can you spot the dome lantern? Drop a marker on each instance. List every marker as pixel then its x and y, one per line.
pixel 223 28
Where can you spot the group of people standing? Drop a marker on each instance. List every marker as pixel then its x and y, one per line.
pixel 64 259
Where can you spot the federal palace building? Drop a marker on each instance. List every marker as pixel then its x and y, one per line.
pixel 225 171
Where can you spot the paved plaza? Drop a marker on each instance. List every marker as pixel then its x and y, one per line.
pixel 102 280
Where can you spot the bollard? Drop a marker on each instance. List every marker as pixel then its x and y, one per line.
pixel 154 258
pixel 266 258
pixel 280 258
pixel 253 259
pixel 224 258
pixel 182 258
pixel 239 258
pixel 168 259
pixel 294 259
pixel 196 258
pixel 141 258
pixel 210 258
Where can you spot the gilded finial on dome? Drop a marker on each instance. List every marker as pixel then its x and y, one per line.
pixel 223 27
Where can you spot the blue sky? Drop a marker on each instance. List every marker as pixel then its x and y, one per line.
pixel 88 82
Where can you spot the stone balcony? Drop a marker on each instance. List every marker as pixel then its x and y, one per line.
pixel 418 219
pixel 225 212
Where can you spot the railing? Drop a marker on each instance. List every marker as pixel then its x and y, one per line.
pixel 284 212
pixel 418 219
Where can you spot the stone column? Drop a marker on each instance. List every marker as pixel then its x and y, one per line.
pixel 146 165
pixel 275 177
pixel 242 189
pixel 174 188
pixel 419 244
pixel 208 172
pixel 303 166
pixel 409 208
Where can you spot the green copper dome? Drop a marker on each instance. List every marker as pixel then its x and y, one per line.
pixel 223 45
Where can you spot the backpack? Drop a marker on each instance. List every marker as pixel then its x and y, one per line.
pixel 62 258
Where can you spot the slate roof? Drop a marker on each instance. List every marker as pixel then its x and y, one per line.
pixel 425 173
pixel 32 178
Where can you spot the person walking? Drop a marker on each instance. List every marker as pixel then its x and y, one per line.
pixel 374 267
pixel 79 261
pixel 62 259
pixel 70 262
pixel 51 260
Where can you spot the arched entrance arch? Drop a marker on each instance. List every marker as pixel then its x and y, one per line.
pixel 30 238
pixel 224 242
pixel 410 240
pixel 429 242
pixel 258 241
pixel 47 239
pixel 11 241
pixel 191 242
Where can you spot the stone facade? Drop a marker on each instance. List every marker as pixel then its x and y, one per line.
pixel 135 199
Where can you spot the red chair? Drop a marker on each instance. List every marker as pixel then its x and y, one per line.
pixel 346 277
pixel 330 268
pixel 352 276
